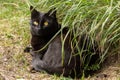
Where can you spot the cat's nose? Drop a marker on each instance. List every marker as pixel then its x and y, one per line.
pixel 40 27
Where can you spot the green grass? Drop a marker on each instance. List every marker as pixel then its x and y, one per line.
pixel 98 18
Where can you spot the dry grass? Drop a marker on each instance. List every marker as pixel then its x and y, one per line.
pixel 15 36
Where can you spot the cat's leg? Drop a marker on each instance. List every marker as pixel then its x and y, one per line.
pixel 37 54
pixel 38 64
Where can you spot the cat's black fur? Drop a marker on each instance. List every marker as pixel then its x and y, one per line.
pixel 51 59
pixel 41 34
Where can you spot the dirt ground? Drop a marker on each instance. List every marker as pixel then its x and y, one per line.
pixel 14 65
pixel 110 69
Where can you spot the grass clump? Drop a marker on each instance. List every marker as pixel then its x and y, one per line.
pixel 99 19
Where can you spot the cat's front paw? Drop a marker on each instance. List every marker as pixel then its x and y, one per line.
pixel 32 69
pixel 27 49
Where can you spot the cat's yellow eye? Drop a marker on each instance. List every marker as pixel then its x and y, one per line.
pixel 35 23
pixel 46 23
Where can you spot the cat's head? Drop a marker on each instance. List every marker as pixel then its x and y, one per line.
pixel 43 24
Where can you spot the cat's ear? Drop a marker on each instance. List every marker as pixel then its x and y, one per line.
pixel 34 13
pixel 52 13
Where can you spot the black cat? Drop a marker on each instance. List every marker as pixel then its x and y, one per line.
pixel 43 27
pixel 54 59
